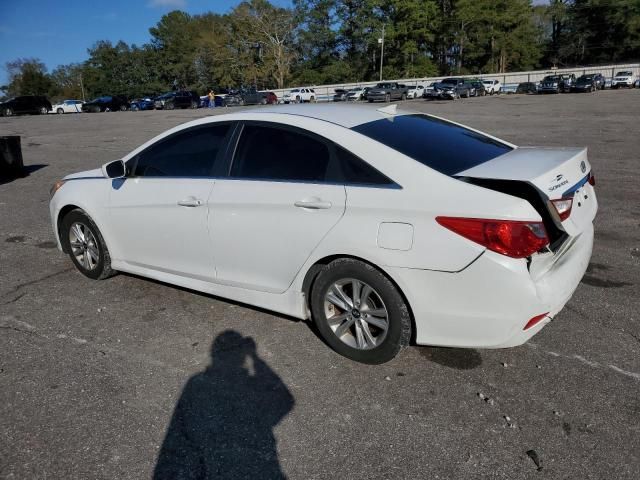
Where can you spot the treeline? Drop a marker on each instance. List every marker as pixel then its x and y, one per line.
pixel 334 41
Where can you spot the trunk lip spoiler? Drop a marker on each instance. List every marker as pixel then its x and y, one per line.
pixel 577 186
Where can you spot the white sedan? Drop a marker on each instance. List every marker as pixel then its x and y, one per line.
pixel 67 106
pixel 492 86
pixel 380 225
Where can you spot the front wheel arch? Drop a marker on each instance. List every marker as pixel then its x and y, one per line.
pixel 319 265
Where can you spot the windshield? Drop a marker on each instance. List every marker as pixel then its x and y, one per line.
pixel 295 90
pixel 452 81
pixel 383 85
pixel 623 74
pixel 585 78
pixel 101 99
pixel 436 143
pixel 551 78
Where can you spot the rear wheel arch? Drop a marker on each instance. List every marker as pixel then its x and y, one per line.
pixel 319 265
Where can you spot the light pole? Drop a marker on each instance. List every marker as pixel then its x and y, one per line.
pixel 381 42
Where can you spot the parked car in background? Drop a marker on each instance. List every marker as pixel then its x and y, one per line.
pixel 145 103
pixel 340 95
pixel 477 88
pixel 623 79
pixel 557 83
pixel 25 104
pixel 300 95
pixel 450 88
pixel 472 241
pixel 67 106
pixel 252 96
pixel 527 87
pixel 272 98
pixel 492 86
pixel 386 92
pixel 415 91
pixel 357 93
pixel 586 83
pixel 106 103
pixel 177 99
pixel 428 90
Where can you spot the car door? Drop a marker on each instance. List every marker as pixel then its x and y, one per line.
pixel 158 214
pixel 274 209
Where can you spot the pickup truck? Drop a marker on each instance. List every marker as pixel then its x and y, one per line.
pixel 387 91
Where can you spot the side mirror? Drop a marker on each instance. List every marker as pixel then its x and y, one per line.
pixel 115 169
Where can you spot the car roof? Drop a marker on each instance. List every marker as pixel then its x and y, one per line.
pixel 345 115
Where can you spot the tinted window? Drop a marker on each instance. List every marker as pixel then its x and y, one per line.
pixel 436 143
pixel 186 154
pixel 279 154
pixel 357 171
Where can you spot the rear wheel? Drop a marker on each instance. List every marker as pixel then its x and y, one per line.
pixel 359 312
pixel 169 106
pixel 403 97
pixel 43 110
pixel 123 108
pixel 312 99
pixel 84 243
pixel 7 112
pixel 387 98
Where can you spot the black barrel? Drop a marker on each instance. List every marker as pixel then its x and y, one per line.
pixel 11 165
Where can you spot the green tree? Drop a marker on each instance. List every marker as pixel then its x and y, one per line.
pixel 28 76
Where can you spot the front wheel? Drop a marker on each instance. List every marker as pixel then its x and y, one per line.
pixel 7 112
pixel 83 242
pixel 387 98
pixel 359 312
pixel 59 111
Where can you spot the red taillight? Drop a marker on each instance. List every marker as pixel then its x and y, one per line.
pixel 592 180
pixel 563 207
pixel 535 320
pixel 515 239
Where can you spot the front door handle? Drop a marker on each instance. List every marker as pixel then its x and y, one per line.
pixel 313 204
pixel 190 202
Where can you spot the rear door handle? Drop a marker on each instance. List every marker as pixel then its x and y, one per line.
pixel 190 202
pixel 313 204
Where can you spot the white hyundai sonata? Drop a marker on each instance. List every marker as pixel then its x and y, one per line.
pixel 382 226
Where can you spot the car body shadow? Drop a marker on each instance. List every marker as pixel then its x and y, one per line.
pixel 222 426
pixel 24 172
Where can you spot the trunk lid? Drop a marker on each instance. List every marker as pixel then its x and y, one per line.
pixel 555 173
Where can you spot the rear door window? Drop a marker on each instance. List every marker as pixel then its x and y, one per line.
pixel 272 153
pixel 436 143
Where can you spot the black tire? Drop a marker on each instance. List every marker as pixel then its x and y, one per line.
pixel 102 268
pixel 403 97
pixel 398 333
pixel 7 112
pixel 194 104
pixel 387 98
pixel 369 100
pixel 169 106
pixel 59 111
pixel 263 101
pixel 134 108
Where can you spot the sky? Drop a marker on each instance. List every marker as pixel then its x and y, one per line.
pixel 60 31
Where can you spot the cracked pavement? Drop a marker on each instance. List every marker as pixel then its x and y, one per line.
pixel 91 372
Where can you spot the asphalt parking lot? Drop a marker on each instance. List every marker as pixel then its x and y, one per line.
pixel 93 375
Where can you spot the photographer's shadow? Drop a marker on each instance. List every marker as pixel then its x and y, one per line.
pixel 222 426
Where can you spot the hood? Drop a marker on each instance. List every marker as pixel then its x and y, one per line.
pixel 95 173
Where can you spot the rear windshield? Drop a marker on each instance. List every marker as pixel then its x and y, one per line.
pixel 436 143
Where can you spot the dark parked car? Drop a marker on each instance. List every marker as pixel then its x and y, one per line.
pixel 477 89
pixel 451 88
pixel 527 87
pixel 177 99
pixel 107 103
pixel 25 104
pixel 387 91
pixel 589 83
pixel 557 83
pixel 340 95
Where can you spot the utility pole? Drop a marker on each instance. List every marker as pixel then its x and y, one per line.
pixel 82 88
pixel 381 42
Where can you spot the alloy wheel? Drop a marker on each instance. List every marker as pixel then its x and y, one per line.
pixel 84 246
pixel 356 314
